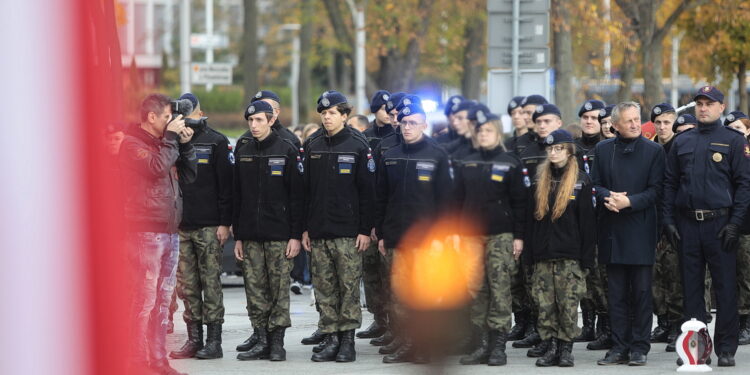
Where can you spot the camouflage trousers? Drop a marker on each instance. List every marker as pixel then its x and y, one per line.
pixel 265 270
pixel 336 273
pixel 743 275
pixel 374 272
pixel 199 276
pixel 596 288
pixel 491 307
pixel 557 288
pixel 667 283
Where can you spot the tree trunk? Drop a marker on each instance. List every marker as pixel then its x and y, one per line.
pixel 627 73
pixel 250 48
pixel 563 53
pixel 304 84
pixel 653 92
pixel 742 88
pixel 474 60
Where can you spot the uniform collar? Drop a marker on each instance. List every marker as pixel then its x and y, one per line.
pixel 382 131
pixel 590 140
pixel 706 128
pixel 268 141
pixel 490 154
pixel 416 146
pixel 341 136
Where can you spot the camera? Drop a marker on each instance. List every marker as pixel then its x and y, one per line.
pixel 196 124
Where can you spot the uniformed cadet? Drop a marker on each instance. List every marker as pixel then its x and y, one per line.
pixel 412 185
pixel 449 108
pixel 206 217
pixel 733 120
pixel 605 120
pixel 490 191
pixel 461 146
pixel 359 123
pixel 267 225
pixel 684 122
pixel 594 302
pixel 518 120
pixel 561 244
pixel 529 105
pixel 381 124
pixel 339 186
pixel 273 99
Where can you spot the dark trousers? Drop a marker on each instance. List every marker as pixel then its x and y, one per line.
pixel 630 307
pixel 700 247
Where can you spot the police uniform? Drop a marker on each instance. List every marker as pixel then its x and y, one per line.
pixel 207 205
pixel 339 185
pixel 268 212
pixel 707 195
pixel 490 190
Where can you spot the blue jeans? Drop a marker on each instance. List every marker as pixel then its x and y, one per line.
pixel 153 261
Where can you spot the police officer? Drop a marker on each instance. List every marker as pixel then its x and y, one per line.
pixel 449 108
pixel 206 217
pixel 339 186
pixel 707 195
pixel 605 120
pixel 518 120
pixel 412 184
pixel 490 189
pixel 267 223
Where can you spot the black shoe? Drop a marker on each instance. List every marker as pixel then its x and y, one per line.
pixel 661 332
pixel 261 350
pixel 497 353
pixel 163 368
pixel 392 347
pixel 212 349
pixel 539 349
pixel 249 343
pixel 383 340
pixel 193 344
pixel 566 354
pixel 330 350
pixel 346 349
pixel 480 354
pixel 532 338
pixel 612 358
pixel 296 288
pixel 604 340
pixel 726 360
pixel 680 363
pixel 403 354
pixel 314 339
pixel 673 335
pixel 587 331
pixel 277 353
pixel 551 357
pixel 374 330
pixel 318 348
pixel 744 335
pixel 519 329
pixel 637 359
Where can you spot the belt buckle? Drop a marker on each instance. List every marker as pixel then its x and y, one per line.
pixel 699 215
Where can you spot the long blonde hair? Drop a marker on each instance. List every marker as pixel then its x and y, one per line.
pixel 564 189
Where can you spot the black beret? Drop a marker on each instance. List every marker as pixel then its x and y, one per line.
pixel 378 100
pixel 393 101
pixel 685 119
pixel 257 107
pixel 591 105
pixel 534 100
pixel 558 136
pixel 451 102
pixel 710 92
pixel 265 94
pixel 465 105
pixel 408 100
pixel 606 112
pixel 515 103
pixel 475 110
pixel 734 116
pixel 545 109
pixel 660 109
pixel 191 97
pixel 408 110
pixel 330 99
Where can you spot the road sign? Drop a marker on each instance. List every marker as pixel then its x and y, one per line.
pixel 533 34
pixel 214 73
pixel 205 41
pixel 499 84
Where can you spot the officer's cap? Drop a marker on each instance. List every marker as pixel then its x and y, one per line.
pixel 533 100
pixel 330 99
pixel 407 100
pixel 451 103
pixel 558 136
pixel 408 110
pixel 515 103
pixel 546 109
pixel 661 109
pixel 265 94
pixel 258 107
pixel 591 105
pixel 734 116
pixel 193 99
pixel 711 93
pixel 685 119
pixel 378 100
pixel 606 112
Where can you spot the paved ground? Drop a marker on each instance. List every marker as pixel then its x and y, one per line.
pixel 304 320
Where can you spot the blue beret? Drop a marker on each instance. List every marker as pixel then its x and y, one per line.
pixel 265 94
pixel 515 103
pixel 475 109
pixel 191 97
pixel 734 116
pixel 660 109
pixel 378 100
pixel 465 105
pixel 391 104
pixel 407 100
pixel 451 102
pixel 710 92
pixel 408 110
pixel 591 105
pixel 257 107
pixel 606 112
pixel 330 99
pixel 533 100
pixel 558 136
pixel 546 109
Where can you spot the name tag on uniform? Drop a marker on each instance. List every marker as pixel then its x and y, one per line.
pixel 346 162
pixel 246 158
pixel 315 156
pixel 531 161
pixel 391 162
pixel 498 172
pixel 424 171
pixel 576 189
pixel 277 166
pixel 203 153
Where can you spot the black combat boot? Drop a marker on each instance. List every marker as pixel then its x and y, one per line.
pixel 566 354
pixel 316 338
pixel 604 341
pixel 532 337
pixel 539 349
pixel 674 333
pixel 744 336
pixel 318 348
pixel 193 344
pixel 497 353
pixel 519 329
pixel 261 350
pixel 383 340
pixel 392 347
pixel 249 343
pixel 330 350
pixel 376 329
pixel 403 354
pixel 661 332
pixel 212 349
pixel 278 353
pixel 551 357
pixel 481 353
pixel 587 332
pixel 346 348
